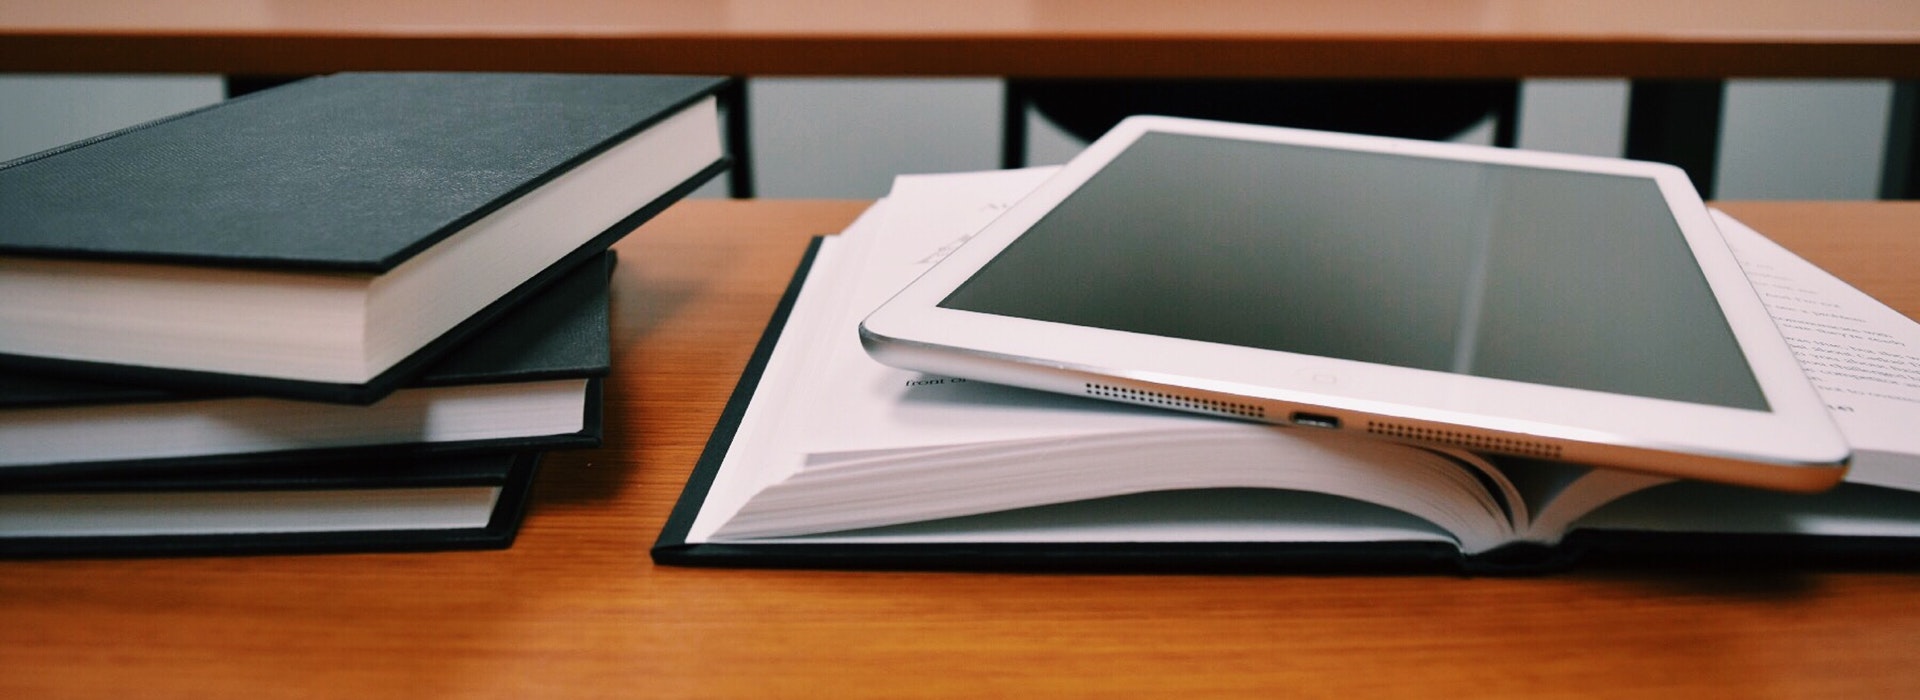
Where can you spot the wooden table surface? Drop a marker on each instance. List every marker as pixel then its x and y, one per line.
pixel 576 609
pixel 1318 38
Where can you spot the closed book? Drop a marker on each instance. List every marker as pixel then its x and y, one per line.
pixel 362 505
pixel 327 239
pixel 531 381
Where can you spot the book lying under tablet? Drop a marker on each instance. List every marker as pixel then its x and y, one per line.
pixel 826 458
pixel 1518 302
pixel 371 503
pixel 530 381
pixel 327 239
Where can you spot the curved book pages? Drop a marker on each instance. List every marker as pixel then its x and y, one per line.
pixel 826 458
pixel 1458 497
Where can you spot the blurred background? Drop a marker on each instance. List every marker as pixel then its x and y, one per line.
pixel 847 138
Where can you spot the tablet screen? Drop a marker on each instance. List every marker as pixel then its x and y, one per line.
pixel 1553 277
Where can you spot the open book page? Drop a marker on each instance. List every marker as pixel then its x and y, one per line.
pixel 1200 515
pixel 755 458
pixel 998 476
pixel 1863 357
pixel 821 394
pixel 829 426
pixel 865 406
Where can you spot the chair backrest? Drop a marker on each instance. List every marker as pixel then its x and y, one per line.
pixel 1422 109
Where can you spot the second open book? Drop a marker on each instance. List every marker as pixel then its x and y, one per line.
pixel 828 458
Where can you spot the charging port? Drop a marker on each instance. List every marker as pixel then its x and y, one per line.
pixel 1315 420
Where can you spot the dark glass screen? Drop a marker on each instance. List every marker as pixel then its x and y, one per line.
pixel 1544 276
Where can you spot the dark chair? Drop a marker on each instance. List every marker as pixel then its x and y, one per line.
pixel 1433 110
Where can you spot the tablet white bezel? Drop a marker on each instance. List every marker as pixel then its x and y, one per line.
pixel 1792 446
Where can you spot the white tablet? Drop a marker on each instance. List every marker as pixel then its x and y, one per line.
pixel 1544 305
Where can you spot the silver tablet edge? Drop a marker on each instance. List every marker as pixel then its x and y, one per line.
pixel 1469 433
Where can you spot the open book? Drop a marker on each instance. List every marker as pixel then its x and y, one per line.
pixel 828 458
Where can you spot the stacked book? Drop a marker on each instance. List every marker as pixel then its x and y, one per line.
pixel 348 313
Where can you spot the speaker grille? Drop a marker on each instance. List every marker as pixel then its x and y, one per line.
pixel 1470 441
pixel 1188 403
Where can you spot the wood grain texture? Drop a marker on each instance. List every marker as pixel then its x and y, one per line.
pixel 575 608
pixel 1311 38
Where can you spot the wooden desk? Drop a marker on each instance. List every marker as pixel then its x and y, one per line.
pixel 1311 38
pixel 575 609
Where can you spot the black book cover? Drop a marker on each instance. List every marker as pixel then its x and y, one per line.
pixel 350 172
pixel 1581 548
pixel 561 332
pixel 513 473
pixel 316 176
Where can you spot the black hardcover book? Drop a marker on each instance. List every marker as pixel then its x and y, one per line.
pixel 530 381
pixel 362 505
pixel 1349 504
pixel 328 239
